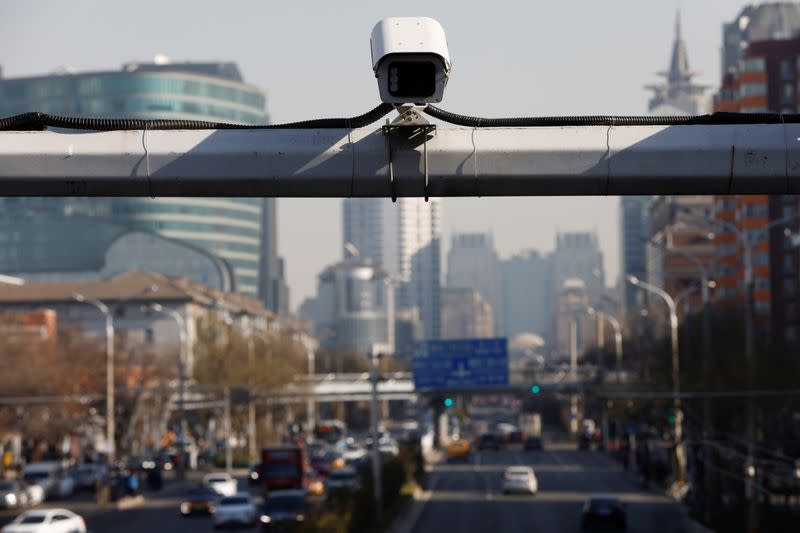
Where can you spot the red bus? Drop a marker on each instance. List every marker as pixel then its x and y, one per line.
pixel 282 468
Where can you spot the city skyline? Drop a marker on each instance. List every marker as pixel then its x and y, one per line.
pixel 522 32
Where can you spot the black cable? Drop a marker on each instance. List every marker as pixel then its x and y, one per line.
pixel 608 120
pixel 40 121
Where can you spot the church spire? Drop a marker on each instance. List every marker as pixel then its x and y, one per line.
pixel 679 65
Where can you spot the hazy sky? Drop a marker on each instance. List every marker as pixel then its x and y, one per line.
pixel 509 58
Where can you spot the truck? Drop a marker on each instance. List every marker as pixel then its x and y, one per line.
pixel 282 468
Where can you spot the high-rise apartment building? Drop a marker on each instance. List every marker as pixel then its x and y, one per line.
pixel 577 266
pixel 634 231
pixel 761 71
pixel 472 262
pixel 527 295
pixel 351 308
pixel 465 314
pixel 675 233
pixel 404 240
pixel 578 255
pixel 757 22
pixel 241 231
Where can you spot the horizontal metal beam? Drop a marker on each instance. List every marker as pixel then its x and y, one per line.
pixel 592 160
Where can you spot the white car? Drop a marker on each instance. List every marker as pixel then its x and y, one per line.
pixel 520 479
pixel 47 521
pixel 388 447
pixel 223 484
pixel 235 510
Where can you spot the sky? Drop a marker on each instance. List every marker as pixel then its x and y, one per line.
pixel 537 57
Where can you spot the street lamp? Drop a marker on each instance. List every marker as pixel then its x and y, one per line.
pixel 110 404
pixel 617 336
pixel 676 373
pixel 182 339
pixel 311 405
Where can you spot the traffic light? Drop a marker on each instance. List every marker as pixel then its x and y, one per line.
pixel 536 389
pixel 448 402
pixel 671 416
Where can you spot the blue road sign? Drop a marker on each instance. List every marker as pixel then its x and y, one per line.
pixel 468 363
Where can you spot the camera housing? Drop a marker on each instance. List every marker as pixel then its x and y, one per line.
pixel 410 60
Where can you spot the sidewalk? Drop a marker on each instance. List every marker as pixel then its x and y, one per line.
pixel 692 526
pixel 408 517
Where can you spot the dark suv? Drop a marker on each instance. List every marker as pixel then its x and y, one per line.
pixel 488 441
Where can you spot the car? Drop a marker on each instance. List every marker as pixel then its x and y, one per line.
pixel 224 484
pixel 520 479
pixel 352 452
pixel 388 447
pixel 65 484
pixel 255 474
pixel 458 449
pixel 284 510
pixel 488 441
pixel 47 521
pixel 13 494
pixel 87 475
pixel 342 480
pixel 46 475
pixel 603 511
pixel 235 510
pixel 198 500
pixel 324 463
pixel 532 443
pixel 314 483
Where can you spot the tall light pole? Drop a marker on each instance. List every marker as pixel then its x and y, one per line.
pixel 311 403
pixel 617 336
pixel 374 360
pixel 676 369
pixel 110 403
pixel 182 340
pixel 748 241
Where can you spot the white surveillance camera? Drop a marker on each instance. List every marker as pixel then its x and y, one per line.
pixel 410 60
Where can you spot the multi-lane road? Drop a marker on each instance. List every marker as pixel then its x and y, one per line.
pixel 464 498
pixel 160 511
pixel 461 498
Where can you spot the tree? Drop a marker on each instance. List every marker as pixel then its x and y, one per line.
pixel 222 358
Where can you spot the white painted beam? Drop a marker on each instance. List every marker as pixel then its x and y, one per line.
pixel 594 160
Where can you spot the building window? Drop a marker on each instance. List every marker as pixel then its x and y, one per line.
pixel 754 64
pixel 760 259
pixel 762 307
pixel 791 333
pixel 788 263
pixel 787 69
pixel 761 283
pixel 753 89
pixel 787 93
pixel 756 210
pixel 789 287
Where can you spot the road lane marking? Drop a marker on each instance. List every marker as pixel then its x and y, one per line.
pixel 546 496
